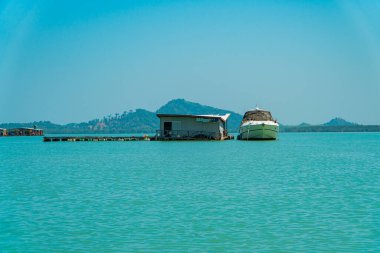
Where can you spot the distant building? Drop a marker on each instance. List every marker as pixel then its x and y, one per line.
pixel 189 127
pixel 3 132
pixel 25 131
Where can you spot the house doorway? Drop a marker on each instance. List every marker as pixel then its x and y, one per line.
pixel 168 126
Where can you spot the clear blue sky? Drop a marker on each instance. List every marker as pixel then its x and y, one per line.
pixel 306 61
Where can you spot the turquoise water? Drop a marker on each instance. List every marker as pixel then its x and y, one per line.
pixel 304 193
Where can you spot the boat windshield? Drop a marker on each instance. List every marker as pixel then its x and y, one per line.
pixel 257 115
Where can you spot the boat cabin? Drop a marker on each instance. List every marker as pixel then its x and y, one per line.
pixel 192 127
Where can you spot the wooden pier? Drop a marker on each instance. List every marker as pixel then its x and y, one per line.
pixel 157 137
pixel 97 138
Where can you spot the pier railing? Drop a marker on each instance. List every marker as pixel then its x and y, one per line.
pixel 160 136
pixel 187 135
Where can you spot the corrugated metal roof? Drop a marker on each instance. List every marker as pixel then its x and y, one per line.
pixel 26 128
pixel 207 116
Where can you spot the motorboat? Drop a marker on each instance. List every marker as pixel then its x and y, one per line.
pixel 258 124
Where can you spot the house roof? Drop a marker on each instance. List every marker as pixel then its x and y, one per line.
pixel 26 128
pixel 206 116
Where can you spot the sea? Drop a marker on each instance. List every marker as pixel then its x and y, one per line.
pixel 306 192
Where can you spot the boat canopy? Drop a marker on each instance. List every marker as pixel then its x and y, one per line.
pixel 257 115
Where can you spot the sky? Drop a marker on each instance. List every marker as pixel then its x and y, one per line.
pixel 306 61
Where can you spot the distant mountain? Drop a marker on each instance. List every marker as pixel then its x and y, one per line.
pixel 181 106
pixel 139 121
pixel 334 125
pixel 143 121
pixel 339 122
pixel 303 124
pixel 322 128
pixel 39 124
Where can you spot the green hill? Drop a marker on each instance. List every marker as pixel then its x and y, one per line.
pixel 138 121
pixel 181 106
pixel 143 121
pixel 339 122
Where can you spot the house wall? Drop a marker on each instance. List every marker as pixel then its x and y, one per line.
pixel 25 132
pixel 191 124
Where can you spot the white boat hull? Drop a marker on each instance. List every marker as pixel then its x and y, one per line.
pixel 259 131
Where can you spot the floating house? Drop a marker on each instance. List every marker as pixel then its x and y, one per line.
pixel 192 127
pixel 3 132
pixel 25 131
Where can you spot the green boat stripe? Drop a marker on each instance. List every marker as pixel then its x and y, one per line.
pixel 259 130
